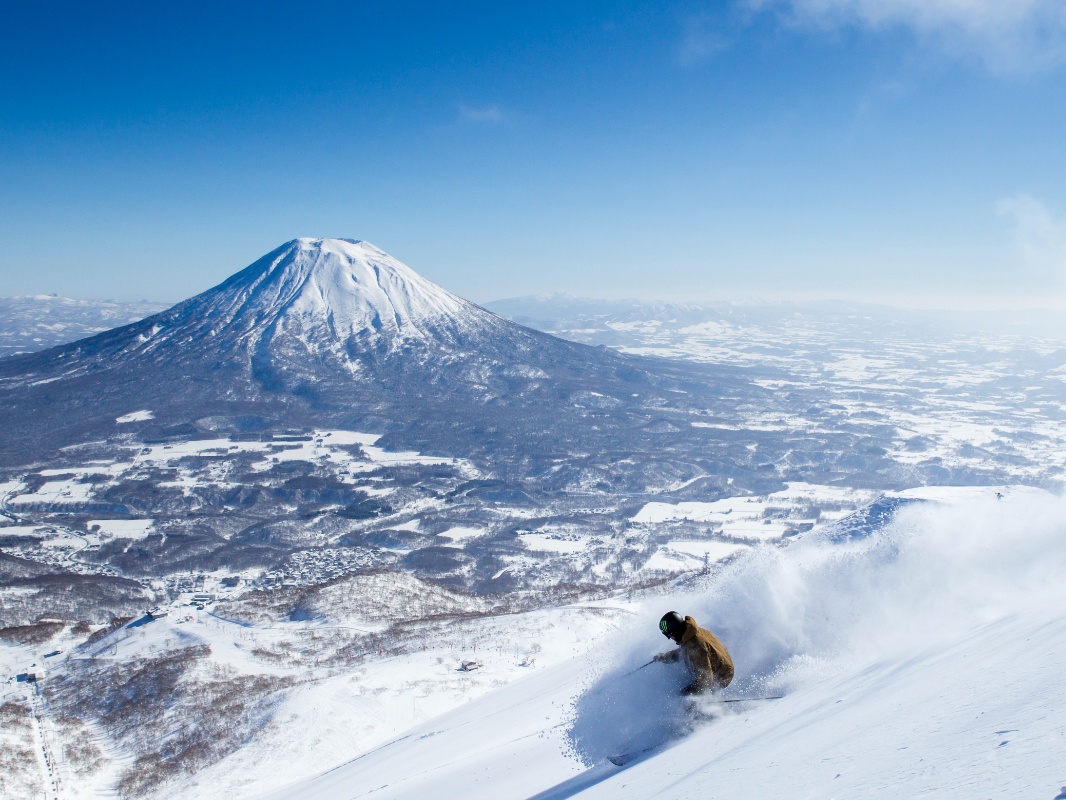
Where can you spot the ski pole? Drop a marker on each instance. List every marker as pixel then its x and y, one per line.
pixel 638 669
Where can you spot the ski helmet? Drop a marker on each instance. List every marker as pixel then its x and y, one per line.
pixel 672 624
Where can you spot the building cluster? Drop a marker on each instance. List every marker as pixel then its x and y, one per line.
pixel 310 567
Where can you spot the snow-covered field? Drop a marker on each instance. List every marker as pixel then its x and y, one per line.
pixel 958 392
pixel 348 452
pixel 922 660
pixel 752 517
pixel 34 322
pixel 185 468
pixel 667 537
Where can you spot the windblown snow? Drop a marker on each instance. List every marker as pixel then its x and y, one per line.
pixel 924 659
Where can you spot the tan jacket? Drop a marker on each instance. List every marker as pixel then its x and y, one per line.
pixel 706 658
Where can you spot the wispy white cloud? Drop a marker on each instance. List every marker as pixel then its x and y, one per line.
pixel 1008 36
pixel 482 115
pixel 879 95
pixel 701 37
pixel 1040 235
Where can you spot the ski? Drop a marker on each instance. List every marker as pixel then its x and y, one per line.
pixel 628 758
pixel 747 699
pixel 623 759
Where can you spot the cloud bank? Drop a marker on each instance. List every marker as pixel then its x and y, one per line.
pixel 1007 36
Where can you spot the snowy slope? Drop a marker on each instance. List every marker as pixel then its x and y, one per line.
pixel 923 660
pixel 319 290
pixel 354 284
pixel 979 716
pixel 311 292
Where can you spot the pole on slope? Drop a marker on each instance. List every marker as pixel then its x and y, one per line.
pixel 638 669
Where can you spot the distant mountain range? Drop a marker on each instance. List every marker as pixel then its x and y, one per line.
pixel 609 321
pixel 36 322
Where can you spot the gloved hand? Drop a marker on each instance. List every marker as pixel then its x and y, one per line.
pixel 662 658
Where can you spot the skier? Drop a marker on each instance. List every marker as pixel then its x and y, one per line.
pixel 706 657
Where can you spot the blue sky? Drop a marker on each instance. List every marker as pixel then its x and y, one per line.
pixel 908 151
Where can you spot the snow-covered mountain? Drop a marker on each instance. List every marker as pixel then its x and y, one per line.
pixel 319 329
pixel 378 401
pixel 327 402
pixel 337 297
pixel 335 334
pixel 340 288
pixel 334 298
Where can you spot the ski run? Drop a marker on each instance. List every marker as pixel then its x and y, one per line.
pixel 921 660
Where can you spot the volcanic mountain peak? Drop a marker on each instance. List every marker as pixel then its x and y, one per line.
pixel 351 284
pixel 341 300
